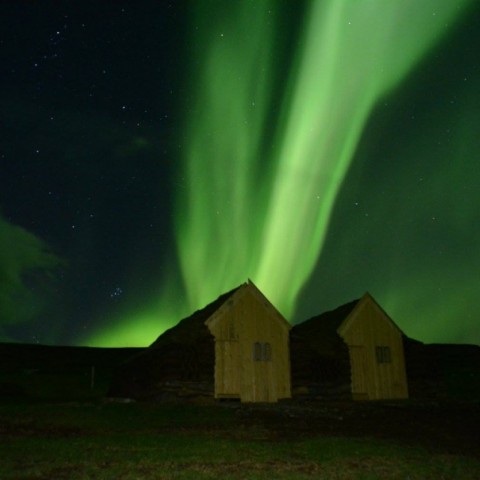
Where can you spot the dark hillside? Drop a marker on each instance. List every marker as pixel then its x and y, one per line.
pixel 39 372
pixel 319 357
pixel 443 371
pixel 180 363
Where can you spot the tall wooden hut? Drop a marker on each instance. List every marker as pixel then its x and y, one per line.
pixel 235 347
pixel 252 357
pixel 374 344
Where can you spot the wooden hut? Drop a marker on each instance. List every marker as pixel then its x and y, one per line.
pixel 235 347
pixel 374 344
pixel 252 357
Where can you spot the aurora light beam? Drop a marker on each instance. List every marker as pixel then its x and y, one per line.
pixel 269 138
pixel 259 212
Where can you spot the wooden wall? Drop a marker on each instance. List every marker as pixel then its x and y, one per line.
pixel 377 372
pixel 244 320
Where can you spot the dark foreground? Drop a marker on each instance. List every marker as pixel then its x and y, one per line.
pixel 447 428
pixel 102 440
pixel 56 425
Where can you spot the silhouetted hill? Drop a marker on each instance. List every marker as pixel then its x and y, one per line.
pixel 14 356
pixel 180 361
pixel 57 373
pixel 442 370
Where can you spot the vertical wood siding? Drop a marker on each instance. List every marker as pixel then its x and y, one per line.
pixel 243 322
pixel 368 327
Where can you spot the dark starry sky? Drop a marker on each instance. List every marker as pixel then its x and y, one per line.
pixel 89 111
pixel 93 99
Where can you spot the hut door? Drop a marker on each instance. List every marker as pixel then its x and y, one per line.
pixel 358 365
pixel 227 369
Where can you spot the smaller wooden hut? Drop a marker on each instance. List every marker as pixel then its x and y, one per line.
pixel 360 334
pixel 375 346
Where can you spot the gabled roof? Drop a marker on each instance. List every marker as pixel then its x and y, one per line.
pixel 324 329
pixel 367 298
pixel 195 325
pixel 236 295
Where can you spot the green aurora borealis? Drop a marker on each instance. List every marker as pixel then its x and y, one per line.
pixel 271 225
pixel 241 219
pixel 290 174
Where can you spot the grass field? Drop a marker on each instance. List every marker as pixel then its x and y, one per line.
pixel 55 425
pixel 143 441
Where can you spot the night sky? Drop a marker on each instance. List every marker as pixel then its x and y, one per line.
pixel 154 156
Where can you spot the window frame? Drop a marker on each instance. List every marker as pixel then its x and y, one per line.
pixel 262 352
pixel 383 354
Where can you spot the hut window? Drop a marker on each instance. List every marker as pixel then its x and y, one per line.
pixel 383 354
pixel 257 351
pixel 262 352
pixel 267 352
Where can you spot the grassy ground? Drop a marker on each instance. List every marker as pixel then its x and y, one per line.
pixel 55 426
pixel 142 441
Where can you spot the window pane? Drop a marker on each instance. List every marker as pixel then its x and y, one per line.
pixel 387 355
pixel 267 352
pixel 257 351
pixel 383 354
